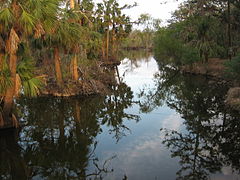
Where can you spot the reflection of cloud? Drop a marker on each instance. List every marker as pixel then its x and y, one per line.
pixel 136 77
pixel 226 174
pixel 173 122
pixel 146 157
pixel 140 67
pixel 227 170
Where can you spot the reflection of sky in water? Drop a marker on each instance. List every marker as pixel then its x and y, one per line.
pixel 141 155
pixel 226 174
pixel 138 73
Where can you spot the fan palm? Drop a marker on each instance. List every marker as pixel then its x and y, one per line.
pixel 66 35
pixel 18 21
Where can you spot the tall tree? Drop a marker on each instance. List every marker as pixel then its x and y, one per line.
pixel 19 20
pixel 115 24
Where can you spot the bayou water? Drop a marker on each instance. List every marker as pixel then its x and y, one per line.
pixel 156 124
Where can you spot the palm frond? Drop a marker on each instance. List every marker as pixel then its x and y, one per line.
pixel 5 80
pixel 31 84
pixel 27 21
pixel 6 17
pixel 31 87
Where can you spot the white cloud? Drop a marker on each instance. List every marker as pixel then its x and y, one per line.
pixel 153 7
pixel 147 154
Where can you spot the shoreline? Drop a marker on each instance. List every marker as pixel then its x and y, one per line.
pixel 214 69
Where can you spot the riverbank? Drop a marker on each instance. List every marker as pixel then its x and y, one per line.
pixel 94 79
pixel 114 129
pixel 215 69
pixel 82 88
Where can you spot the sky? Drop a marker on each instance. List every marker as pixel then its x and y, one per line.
pixel 153 7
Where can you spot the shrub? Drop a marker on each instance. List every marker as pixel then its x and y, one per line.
pixel 233 68
pixel 171 50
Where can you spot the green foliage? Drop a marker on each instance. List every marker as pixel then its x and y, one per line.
pixel 167 46
pixel 148 22
pixel 27 21
pixel 112 24
pixel 42 25
pixel 139 39
pixel 31 87
pixel 200 29
pixel 31 83
pixel 189 55
pixel 142 38
pixel 6 17
pixel 171 50
pixel 94 44
pixel 233 68
pixel 5 81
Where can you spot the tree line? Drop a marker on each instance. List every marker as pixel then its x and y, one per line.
pixel 36 33
pixel 199 30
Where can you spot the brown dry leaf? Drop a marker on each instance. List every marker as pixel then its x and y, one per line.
pixel 18 85
pixel 1 61
pixel 15 121
pixel 1 120
pixel 39 31
pixel 12 42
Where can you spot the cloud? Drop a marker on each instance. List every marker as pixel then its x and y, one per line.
pixel 146 157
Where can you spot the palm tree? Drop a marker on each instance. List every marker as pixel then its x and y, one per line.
pixel 74 63
pixel 112 21
pixel 65 36
pixel 20 20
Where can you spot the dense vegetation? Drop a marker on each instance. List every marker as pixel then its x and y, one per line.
pixel 55 44
pixel 142 38
pixel 200 30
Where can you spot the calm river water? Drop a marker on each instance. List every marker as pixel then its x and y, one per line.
pixel 157 125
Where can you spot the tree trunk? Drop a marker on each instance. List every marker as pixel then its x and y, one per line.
pixel 206 57
pixel 103 50
pixel 1 61
pixel 72 4
pixel 195 155
pixel 229 32
pixel 74 68
pixel 11 155
pixel 58 70
pixel 107 45
pixel 61 124
pixel 118 76
pixel 113 48
pixel 1 94
pixel 8 99
pixel 11 48
pixel 77 118
pixel 77 112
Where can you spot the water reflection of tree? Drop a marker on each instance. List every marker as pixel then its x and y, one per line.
pixel 12 165
pixel 114 114
pixel 135 55
pixel 156 96
pixel 229 141
pixel 211 139
pixel 58 140
pixel 200 105
pixel 205 148
pixel 134 59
